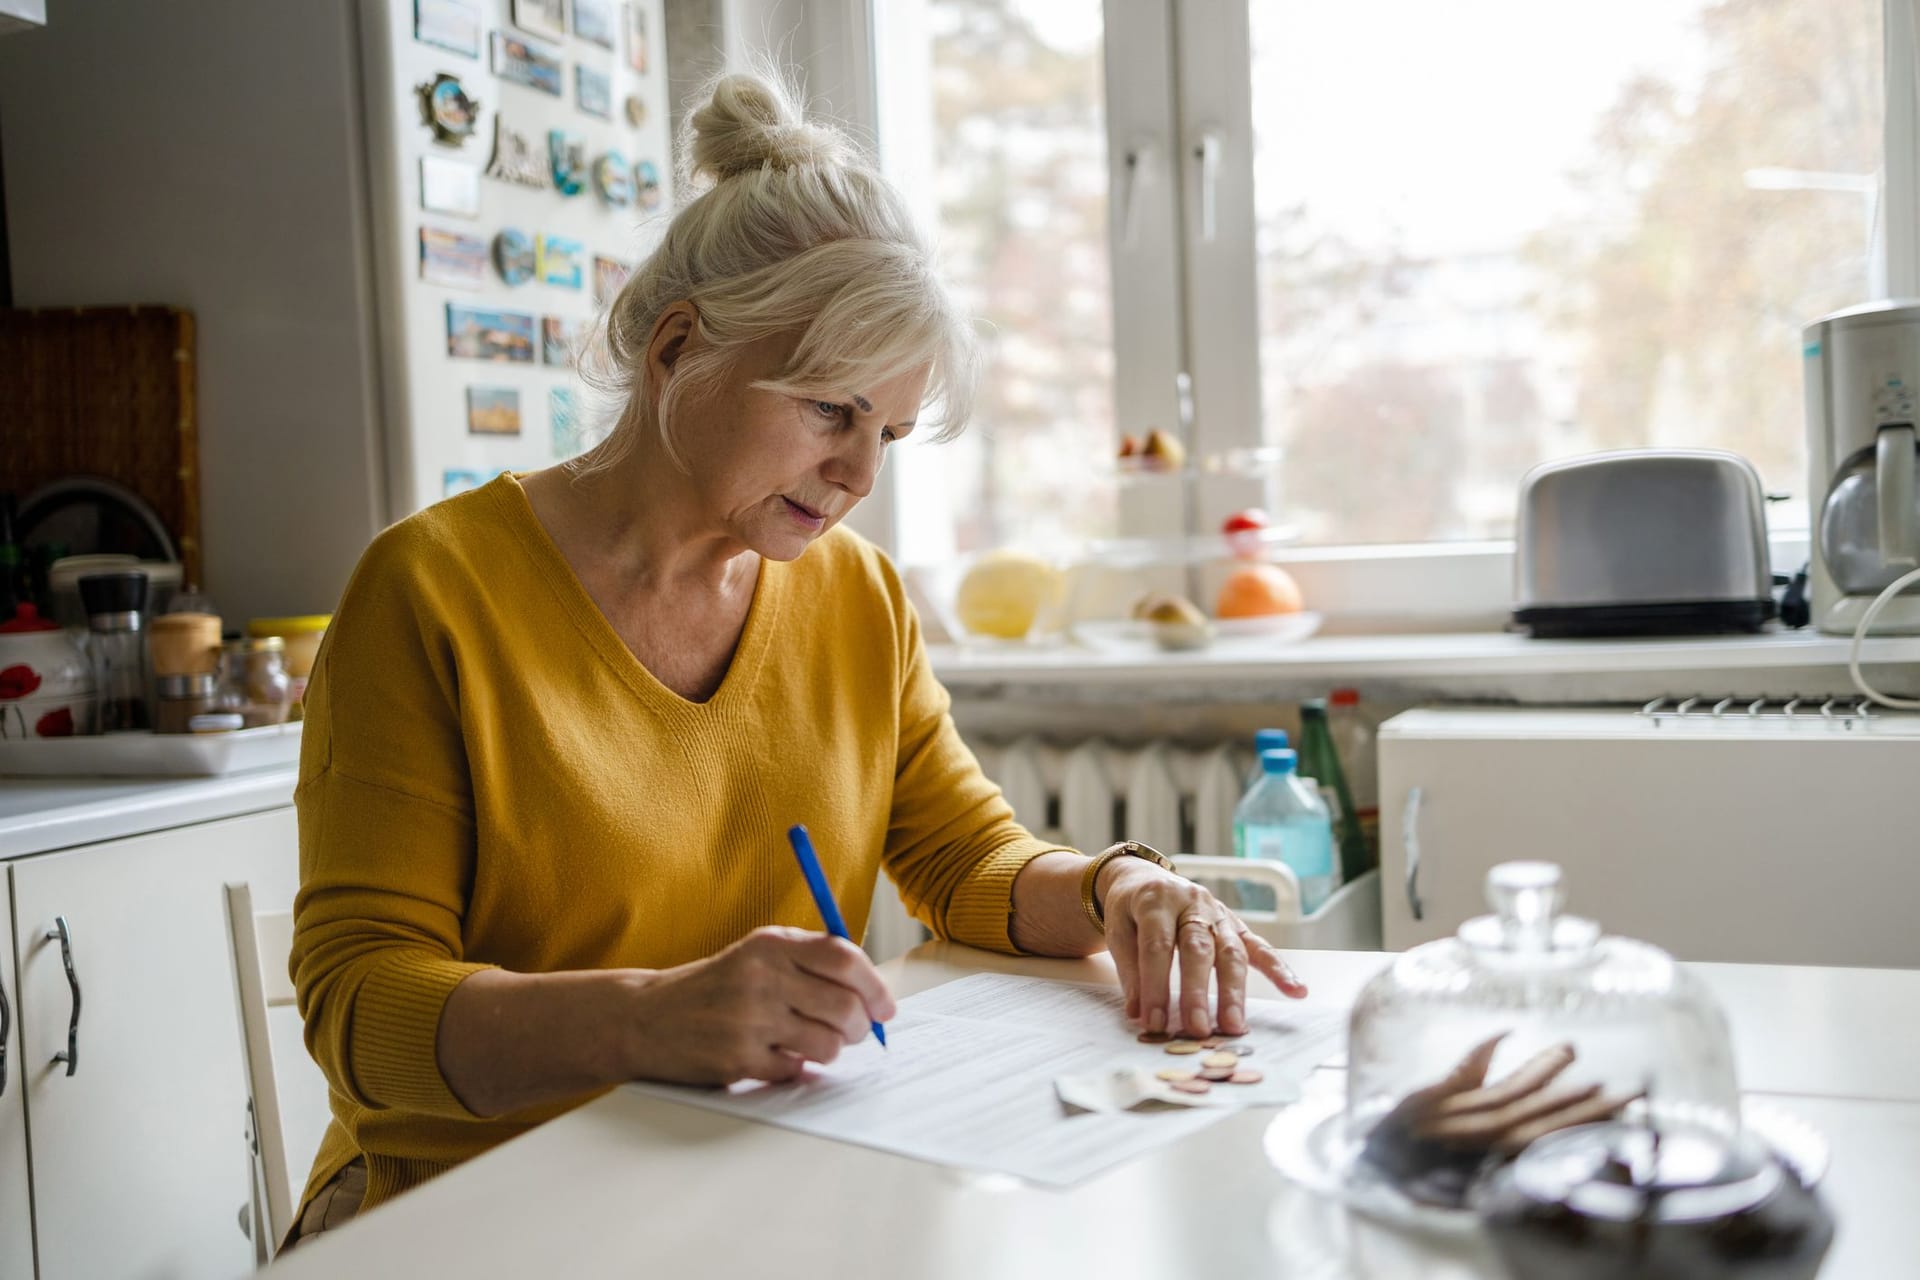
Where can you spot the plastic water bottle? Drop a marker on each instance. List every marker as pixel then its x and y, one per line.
pixel 1264 740
pixel 1283 819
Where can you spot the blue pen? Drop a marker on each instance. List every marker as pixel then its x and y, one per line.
pixel 823 897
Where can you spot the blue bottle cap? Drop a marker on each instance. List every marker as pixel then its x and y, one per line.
pixel 1270 740
pixel 1280 761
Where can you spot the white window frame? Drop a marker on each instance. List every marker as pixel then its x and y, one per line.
pixel 1185 265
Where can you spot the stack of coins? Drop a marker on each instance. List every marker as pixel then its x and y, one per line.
pixel 1220 1065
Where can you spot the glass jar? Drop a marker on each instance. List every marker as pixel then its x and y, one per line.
pixel 178 699
pixel 184 644
pixel 269 688
pixel 302 636
pixel 117 648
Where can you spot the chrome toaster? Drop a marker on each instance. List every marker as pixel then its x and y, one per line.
pixel 1642 542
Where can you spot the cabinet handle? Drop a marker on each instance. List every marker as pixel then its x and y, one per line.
pixel 6 1030
pixel 1410 841
pixel 65 935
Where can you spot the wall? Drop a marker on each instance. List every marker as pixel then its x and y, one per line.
pixel 207 154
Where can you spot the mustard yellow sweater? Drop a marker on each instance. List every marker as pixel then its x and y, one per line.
pixel 490 778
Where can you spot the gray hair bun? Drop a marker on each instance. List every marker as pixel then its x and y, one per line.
pixel 751 124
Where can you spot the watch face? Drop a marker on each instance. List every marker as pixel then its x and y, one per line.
pixel 1150 853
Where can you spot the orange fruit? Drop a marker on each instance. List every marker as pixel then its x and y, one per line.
pixel 1258 591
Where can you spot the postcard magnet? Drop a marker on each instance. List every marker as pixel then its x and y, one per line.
pixel 568 154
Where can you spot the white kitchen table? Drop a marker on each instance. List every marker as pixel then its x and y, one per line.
pixel 632 1185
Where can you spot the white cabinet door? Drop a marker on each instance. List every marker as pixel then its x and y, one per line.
pixel 16 1207
pixel 1750 845
pixel 139 1166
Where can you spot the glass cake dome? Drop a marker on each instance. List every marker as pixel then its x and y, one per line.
pixel 1532 1020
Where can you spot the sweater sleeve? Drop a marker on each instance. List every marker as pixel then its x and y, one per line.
pixel 386 839
pixel 953 844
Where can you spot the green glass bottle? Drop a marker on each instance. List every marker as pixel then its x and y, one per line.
pixel 1319 761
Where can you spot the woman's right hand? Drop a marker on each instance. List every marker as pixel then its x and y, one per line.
pixel 760 1010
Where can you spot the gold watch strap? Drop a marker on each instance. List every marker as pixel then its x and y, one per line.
pixel 1096 913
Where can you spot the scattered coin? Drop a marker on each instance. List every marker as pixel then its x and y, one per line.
pixel 1244 1050
pixel 1220 1059
pixel 1213 1042
pixel 1184 1046
pixel 1174 1075
pixel 1153 1037
pixel 1192 1086
pixel 1219 1075
pixel 1244 1076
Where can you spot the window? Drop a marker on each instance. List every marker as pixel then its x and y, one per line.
pixel 1528 231
pixel 1408 249
pixel 1011 111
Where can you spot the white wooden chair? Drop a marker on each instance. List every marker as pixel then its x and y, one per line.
pixel 287 1108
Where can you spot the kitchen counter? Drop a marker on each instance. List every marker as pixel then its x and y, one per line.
pixel 631 1182
pixel 1481 665
pixel 38 815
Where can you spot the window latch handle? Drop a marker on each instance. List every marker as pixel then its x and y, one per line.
pixel 1207 152
pixel 1140 158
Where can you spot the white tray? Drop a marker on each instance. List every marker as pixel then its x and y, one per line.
pixel 171 755
pixel 1239 637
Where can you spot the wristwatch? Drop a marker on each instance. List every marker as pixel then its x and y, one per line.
pixel 1125 849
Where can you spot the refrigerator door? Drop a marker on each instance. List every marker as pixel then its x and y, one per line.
pixel 504 221
pixel 1763 840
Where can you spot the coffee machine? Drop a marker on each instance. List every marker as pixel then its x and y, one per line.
pixel 1863 462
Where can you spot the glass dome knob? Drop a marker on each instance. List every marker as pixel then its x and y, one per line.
pixel 1526 896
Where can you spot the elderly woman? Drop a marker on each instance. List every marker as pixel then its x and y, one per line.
pixel 561 724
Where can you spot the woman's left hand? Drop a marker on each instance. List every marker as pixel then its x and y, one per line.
pixel 1153 915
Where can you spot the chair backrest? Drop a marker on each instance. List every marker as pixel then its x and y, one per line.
pixel 286 1088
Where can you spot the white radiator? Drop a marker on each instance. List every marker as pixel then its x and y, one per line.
pixel 1091 793
pixel 1088 794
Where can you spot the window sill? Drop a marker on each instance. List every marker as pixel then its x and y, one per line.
pixel 1478 665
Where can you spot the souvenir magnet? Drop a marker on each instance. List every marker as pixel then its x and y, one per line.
pixel 493 411
pixel 450 24
pixel 482 333
pixel 593 21
pixel 458 480
pixel 563 417
pixel 447 186
pixel 636 110
pixel 636 24
pixel 559 340
pixel 561 261
pixel 608 275
pixel 646 185
pixel 568 153
pixel 525 63
pixel 611 179
pixel 445 106
pixel 542 17
pixel 514 159
pixel 450 258
pixel 513 255
pixel 592 91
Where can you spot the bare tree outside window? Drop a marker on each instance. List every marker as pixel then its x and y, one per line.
pixel 1497 232
pixel 1021 176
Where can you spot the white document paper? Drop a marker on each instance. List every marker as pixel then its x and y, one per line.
pixel 968 1078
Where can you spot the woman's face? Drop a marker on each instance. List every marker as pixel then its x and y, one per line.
pixel 776 471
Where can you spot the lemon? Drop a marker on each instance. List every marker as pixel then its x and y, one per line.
pixel 1005 591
